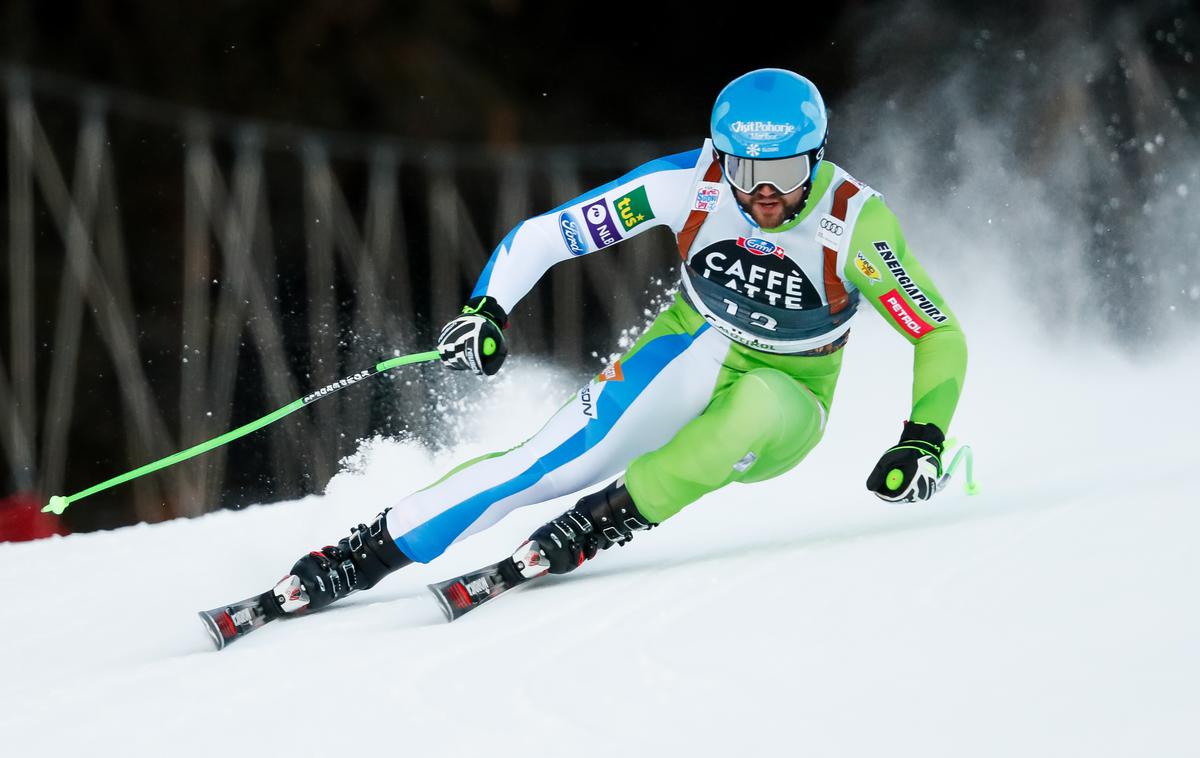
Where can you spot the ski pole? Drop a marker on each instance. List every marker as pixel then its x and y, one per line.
pixel 896 476
pixel 963 453
pixel 59 503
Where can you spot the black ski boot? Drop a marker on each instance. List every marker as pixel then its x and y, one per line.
pixel 355 563
pixel 597 522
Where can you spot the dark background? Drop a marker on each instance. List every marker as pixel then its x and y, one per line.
pixel 507 74
pixel 468 72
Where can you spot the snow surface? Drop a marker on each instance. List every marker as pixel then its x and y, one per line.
pixel 1053 614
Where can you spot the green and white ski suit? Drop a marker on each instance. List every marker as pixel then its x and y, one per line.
pixel 735 380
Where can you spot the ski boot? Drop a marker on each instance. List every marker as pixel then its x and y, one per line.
pixel 356 562
pixel 597 522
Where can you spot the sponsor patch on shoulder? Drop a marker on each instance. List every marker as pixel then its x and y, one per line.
pixel 866 268
pixel 708 194
pixel 830 231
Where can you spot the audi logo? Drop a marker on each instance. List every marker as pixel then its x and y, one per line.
pixel 830 225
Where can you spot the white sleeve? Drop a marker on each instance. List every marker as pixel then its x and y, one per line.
pixel 657 193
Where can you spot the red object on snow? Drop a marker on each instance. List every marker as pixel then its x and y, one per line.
pixel 21 519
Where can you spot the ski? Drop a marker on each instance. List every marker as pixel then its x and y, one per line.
pixel 462 594
pixel 236 620
pixel 229 623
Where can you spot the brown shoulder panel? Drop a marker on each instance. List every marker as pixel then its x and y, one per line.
pixel 696 218
pixel 835 290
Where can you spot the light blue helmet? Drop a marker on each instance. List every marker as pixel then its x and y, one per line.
pixel 767 115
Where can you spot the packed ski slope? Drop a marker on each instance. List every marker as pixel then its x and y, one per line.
pixel 1053 614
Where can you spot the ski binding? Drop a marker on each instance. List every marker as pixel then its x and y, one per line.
pixel 465 593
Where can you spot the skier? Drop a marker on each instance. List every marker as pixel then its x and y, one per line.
pixel 733 382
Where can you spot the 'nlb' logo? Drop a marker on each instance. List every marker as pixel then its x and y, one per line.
pixel 760 246
pixel 600 224
pixel 906 317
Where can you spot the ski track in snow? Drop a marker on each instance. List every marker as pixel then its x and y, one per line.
pixel 1053 614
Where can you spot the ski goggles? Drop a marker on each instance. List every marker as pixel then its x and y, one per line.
pixel 784 174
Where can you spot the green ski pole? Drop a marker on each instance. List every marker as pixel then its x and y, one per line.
pixel 964 453
pixel 59 503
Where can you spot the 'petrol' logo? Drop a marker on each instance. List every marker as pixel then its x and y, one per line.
pixel 906 317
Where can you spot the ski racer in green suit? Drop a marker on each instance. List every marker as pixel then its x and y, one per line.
pixel 732 383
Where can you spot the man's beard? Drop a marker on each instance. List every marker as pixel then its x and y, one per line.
pixel 789 211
